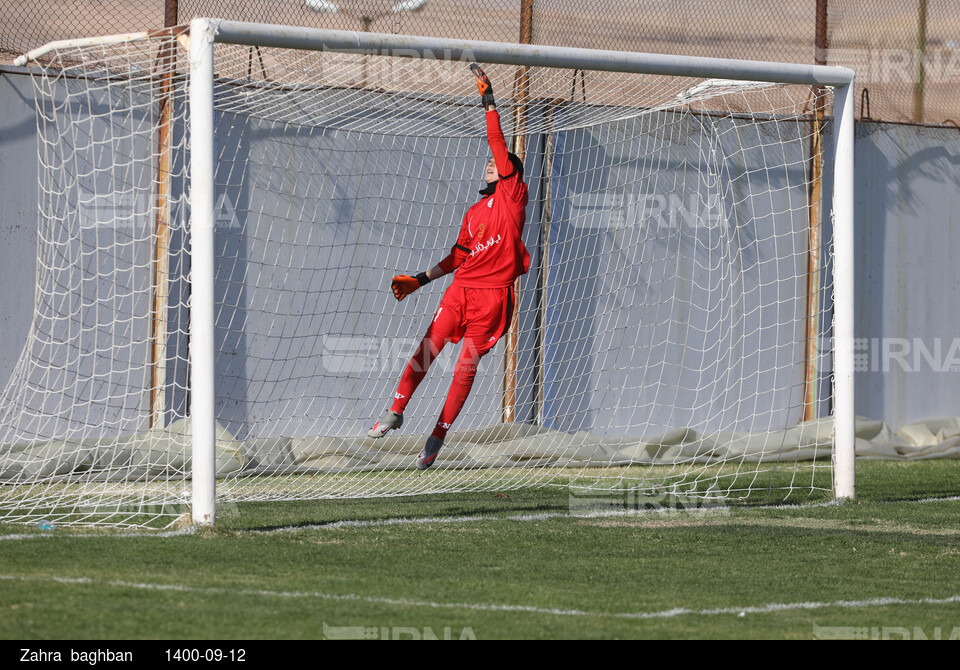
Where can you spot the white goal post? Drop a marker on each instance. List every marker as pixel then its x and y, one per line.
pixel 205 33
pixel 717 99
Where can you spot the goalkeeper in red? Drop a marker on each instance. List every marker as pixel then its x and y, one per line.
pixel 477 307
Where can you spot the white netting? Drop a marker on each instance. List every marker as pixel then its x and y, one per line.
pixel 660 335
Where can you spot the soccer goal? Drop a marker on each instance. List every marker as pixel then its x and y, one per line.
pixel 222 208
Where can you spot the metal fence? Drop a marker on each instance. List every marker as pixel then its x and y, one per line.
pixel 906 52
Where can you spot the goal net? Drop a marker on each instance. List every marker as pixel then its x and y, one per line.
pixel 671 341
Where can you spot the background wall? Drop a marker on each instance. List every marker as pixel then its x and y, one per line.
pixel 908 275
pixel 18 215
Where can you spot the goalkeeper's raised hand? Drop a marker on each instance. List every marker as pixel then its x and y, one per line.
pixel 483 85
pixel 404 285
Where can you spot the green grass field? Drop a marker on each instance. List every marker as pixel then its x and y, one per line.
pixel 517 564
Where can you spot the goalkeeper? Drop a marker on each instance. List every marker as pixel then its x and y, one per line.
pixel 477 307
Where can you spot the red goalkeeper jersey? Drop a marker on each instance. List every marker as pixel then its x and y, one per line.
pixel 492 229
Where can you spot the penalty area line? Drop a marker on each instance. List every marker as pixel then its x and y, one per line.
pixel 546 516
pixel 405 521
pixel 492 607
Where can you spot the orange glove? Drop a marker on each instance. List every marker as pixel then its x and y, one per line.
pixel 404 285
pixel 483 85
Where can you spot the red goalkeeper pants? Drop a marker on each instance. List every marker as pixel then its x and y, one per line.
pixel 479 317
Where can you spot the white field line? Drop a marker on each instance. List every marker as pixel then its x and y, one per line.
pixel 414 521
pixel 925 500
pixel 544 516
pixel 405 521
pixel 373 523
pixel 492 607
pixel 190 530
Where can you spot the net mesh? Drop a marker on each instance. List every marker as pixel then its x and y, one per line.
pixel 660 342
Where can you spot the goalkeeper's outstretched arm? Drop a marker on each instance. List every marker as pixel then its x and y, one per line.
pixel 508 165
pixel 498 145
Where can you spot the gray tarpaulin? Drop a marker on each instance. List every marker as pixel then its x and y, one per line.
pixel 906 187
pixel 166 452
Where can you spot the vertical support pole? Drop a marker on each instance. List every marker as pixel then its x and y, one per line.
pixel 367 20
pixel 521 88
pixel 543 279
pixel 161 243
pixel 843 350
pixel 921 63
pixel 815 194
pixel 171 13
pixel 202 398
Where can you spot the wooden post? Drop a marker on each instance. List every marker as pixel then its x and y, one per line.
pixel 812 349
pixel 543 278
pixel 921 63
pixel 161 250
pixel 521 89
pixel 171 12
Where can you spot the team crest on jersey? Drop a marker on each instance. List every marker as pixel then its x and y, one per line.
pixel 490 202
pixel 481 230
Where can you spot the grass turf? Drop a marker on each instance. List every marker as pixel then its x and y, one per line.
pixel 281 570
